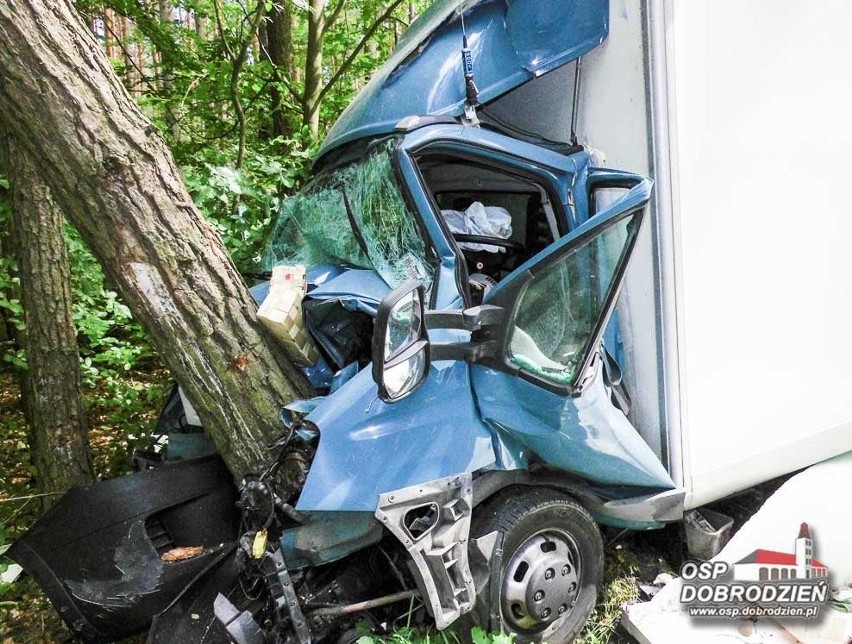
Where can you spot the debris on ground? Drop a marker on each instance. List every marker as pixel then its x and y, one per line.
pixel 182 553
pixel 804 499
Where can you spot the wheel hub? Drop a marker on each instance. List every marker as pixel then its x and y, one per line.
pixel 541 582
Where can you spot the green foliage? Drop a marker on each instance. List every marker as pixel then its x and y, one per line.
pixel 619 587
pixel 11 310
pixel 479 636
pixel 408 635
pixel 242 203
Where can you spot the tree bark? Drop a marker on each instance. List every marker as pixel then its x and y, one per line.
pixel 113 176
pixel 313 66
pixel 53 391
pixel 279 52
pixel 201 26
pixel 167 79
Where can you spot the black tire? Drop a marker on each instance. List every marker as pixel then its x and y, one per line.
pixel 549 543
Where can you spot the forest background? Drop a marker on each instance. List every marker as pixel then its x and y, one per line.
pixel 243 91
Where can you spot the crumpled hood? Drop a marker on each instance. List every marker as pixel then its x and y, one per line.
pixel 512 42
pixel 356 289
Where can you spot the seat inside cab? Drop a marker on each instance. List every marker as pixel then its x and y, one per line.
pixel 498 219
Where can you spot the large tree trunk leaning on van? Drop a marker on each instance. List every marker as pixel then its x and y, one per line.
pixel 114 178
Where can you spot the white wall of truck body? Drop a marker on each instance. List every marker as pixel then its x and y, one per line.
pixel 738 322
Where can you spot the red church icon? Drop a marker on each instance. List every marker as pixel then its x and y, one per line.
pixel 767 565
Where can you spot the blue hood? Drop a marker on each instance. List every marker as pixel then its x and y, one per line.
pixel 512 42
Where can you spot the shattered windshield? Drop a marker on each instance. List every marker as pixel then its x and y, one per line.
pixel 356 217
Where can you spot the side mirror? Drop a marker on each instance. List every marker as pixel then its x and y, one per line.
pixel 400 343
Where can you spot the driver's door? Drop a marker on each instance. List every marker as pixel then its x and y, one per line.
pixel 544 386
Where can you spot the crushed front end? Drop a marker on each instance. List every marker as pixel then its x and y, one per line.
pixel 315 576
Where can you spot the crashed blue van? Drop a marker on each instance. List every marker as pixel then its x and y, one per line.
pixel 471 434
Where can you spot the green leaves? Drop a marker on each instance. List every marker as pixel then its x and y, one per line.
pixel 242 203
pixel 479 636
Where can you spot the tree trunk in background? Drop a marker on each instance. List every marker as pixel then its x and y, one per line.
pixel 112 174
pixel 52 394
pixel 200 26
pixel 279 51
pixel 110 29
pixel 167 80
pixel 313 66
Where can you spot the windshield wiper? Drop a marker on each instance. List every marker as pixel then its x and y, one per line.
pixel 353 224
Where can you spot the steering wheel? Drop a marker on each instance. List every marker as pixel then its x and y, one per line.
pixel 489 241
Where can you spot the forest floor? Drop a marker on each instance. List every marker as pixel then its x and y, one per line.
pixel 117 424
pixel 27 617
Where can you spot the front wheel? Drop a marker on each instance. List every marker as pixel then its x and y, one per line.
pixel 551 567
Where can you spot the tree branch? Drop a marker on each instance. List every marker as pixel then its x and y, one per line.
pixel 235 77
pixel 217 10
pixel 347 64
pixel 278 78
pixel 334 15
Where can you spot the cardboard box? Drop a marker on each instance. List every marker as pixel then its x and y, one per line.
pixel 281 313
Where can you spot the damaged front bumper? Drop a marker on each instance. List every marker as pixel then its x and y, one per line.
pixel 98 552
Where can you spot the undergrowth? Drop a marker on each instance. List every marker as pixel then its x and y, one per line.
pixel 122 411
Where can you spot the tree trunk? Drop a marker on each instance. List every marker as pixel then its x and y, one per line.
pixel 313 66
pixel 167 79
pixel 279 52
pixel 200 26
pixel 52 394
pixel 110 29
pixel 113 176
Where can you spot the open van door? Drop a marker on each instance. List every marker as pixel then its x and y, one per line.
pixel 542 383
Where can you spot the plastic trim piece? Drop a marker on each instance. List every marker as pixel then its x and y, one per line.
pixel 440 555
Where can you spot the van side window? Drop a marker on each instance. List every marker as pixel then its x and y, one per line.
pixel 558 311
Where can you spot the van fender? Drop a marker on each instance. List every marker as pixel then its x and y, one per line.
pixel 646 509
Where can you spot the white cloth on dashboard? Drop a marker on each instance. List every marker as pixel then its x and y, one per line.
pixel 487 221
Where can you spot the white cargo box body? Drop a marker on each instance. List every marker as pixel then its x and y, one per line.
pixel 737 314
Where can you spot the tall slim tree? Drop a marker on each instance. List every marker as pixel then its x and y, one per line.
pixel 112 174
pixel 314 64
pixel 321 19
pixel 53 395
pixel 278 50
